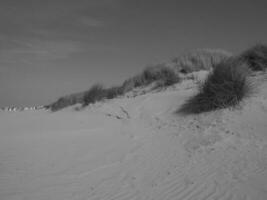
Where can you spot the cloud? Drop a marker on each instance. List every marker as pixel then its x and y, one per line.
pixel 37 50
pixel 53 29
pixel 62 17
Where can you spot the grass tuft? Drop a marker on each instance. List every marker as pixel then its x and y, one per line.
pixel 158 73
pixel 65 101
pixel 224 87
pixel 204 59
pixel 113 92
pixel 256 57
pixel 94 94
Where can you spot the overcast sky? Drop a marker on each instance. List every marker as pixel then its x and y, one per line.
pixel 50 48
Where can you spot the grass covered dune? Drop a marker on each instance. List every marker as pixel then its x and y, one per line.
pixel 226 85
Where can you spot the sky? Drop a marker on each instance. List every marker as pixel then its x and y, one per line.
pixel 50 48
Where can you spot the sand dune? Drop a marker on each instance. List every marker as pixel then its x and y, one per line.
pixel 136 148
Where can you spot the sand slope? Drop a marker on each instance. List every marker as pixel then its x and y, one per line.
pixel 136 149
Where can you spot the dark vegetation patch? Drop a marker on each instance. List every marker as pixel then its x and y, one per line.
pixel 66 101
pixel 159 73
pixel 255 57
pixel 224 87
pixel 94 94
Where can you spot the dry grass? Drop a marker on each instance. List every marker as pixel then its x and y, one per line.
pixel 94 94
pixel 113 92
pixel 256 57
pixel 158 73
pixel 225 87
pixel 204 59
pixel 65 101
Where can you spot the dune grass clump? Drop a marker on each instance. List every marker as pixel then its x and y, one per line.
pixel 161 73
pixel 169 79
pixel 204 59
pixel 113 92
pixel 158 73
pixel 256 57
pixel 62 102
pixel 133 82
pixel 94 94
pixel 224 87
pixel 65 101
pixel 98 93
